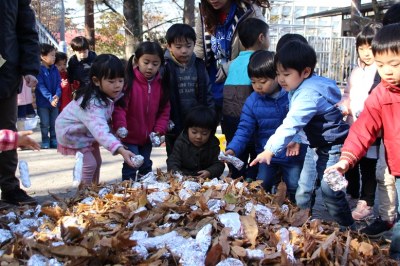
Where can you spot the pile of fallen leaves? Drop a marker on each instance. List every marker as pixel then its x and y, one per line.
pixel 169 220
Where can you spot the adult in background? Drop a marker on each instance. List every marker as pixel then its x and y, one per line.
pixel 19 51
pixel 217 40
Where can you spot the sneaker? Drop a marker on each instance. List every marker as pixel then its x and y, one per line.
pixel 53 144
pixel 17 197
pixel 45 145
pixel 362 211
pixel 377 228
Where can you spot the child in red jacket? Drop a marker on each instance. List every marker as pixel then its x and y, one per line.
pixel 381 113
pixel 66 87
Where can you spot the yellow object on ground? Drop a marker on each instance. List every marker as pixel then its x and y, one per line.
pixel 222 141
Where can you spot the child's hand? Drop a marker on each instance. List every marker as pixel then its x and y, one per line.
pixel 25 141
pixel 293 149
pixel 54 102
pixel 342 166
pixel 264 157
pixel 230 152
pixel 203 174
pixel 126 154
pixel 64 82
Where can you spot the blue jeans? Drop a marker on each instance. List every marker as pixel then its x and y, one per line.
pixel 335 201
pixel 394 249
pixel 145 150
pixel 290 172
pixel 48 117
pixel 305 195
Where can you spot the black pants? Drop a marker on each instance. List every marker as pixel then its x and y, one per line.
pixel 8 159
pixel 364 170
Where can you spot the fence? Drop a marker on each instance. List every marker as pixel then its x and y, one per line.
pixel 44 35
pixel 336 56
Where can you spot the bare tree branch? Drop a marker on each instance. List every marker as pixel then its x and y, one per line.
pixel 110 7
pixel 176 3
pixel 164 22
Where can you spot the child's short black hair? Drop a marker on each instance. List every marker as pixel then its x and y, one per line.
pixel 203 117
pixel 290 37
pixel 46 48
pixel 261 65
pixel 296 55
pixel 365 36
pixel 250 29
pixel 60 56
pixel 79 43
pixel 392 15
pixel 387 40
pixel 180 31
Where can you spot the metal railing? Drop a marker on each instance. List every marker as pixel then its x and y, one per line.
pixel 44 35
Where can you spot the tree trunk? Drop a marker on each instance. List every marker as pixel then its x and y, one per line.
pixel 133 25
pixel 355 17
pixel 377 11
pixel 188 12
pixel 89 23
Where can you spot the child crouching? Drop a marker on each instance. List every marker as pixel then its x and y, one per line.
pixel 196 149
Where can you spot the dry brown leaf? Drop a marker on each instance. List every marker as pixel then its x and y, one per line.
pixel 299 217
pixel 326 244
pixel 214 255
pixel 53 212
pixel 366 249
pixel 239 251
pixel 250 228
pixel 223 241
pixel 72 251
pixel 280 194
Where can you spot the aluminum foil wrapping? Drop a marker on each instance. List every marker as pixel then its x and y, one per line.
pixel 263 214
pixel 255 254
pixel 190 185
pixel 5 235
pixel 24 173
pixel 284 242
pixel 171 125
pixel 104 191
pixel 232 221
pixel 159 185
pixel 218 184
pixel 236 162
pixel 137 160
pixel 138 235
pixel 39 260
pixel 149 178
pixel 77 174
pixel 157 197
pixel 184 194
pixel 335 180
pixel 141 252
pixel 156 140
pixel 88 201
pixel 122 132
pixel 230 262
pixel 215 205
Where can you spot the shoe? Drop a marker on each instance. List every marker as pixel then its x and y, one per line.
pixel 45 145
pixel 377 228
pixel 362 211
pixel 53 144
pixel 17 197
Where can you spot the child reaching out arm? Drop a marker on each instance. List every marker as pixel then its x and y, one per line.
pixel 83 124
pixel 196 150
pixel 10 140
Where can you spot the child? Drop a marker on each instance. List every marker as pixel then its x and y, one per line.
pixel 10 140
pixel 253 34
pixel 48 92
pixel 381 113
pixel 352 104
pixel 83 124
pixel 186 76
pixel 312 108
pixel 66 90
pixel 79 64
pixel 263 111
pixel 146 107
pixel 25 106
pixel 196 149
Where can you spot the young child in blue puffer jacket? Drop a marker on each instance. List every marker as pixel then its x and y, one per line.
pixel 262 113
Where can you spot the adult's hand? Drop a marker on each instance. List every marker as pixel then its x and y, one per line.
pixel 31 80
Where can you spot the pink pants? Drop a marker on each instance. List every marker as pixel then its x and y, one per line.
pixel 91 166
